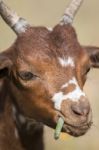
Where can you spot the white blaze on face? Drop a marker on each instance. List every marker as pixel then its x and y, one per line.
pixel 66 62
pixel 74 95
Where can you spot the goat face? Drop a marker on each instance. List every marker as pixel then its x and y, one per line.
pixel 47 71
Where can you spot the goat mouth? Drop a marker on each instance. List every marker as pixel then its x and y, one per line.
pixel 74 129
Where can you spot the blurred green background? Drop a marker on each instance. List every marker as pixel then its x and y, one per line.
pixel 48 13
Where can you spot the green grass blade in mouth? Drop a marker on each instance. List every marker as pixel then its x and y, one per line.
pixel 58 128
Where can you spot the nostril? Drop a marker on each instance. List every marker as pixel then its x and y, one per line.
pixel 80 109
pixel 76 110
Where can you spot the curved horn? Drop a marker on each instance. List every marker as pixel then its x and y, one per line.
pixel 18 24
pixel 70 12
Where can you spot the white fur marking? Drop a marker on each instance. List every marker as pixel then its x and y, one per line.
pixel 22 119
pixel 57 99
pixel 75 95
pixel 66 62
pixel 14 109
pixel 14 112
pixel 50 29
pixel 72 81
pixel 16 133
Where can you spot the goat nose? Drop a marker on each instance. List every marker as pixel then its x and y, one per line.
pixel 81 108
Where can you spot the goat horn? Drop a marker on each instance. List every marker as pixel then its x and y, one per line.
pixel 18 24
pixel 70 12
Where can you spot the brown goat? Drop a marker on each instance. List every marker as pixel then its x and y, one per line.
pixel 42 78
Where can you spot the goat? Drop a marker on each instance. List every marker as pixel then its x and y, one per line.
pixel 41 79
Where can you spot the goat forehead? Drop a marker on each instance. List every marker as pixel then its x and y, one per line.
pixel 39 38
pixel 37 43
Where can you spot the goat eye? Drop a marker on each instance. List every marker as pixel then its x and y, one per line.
pixel 27 75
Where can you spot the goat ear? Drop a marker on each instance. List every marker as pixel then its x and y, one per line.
pixel 93 53
pixel 5 65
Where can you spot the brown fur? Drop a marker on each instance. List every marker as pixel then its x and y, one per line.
pixel 37 51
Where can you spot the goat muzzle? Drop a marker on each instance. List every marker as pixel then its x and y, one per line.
pixel 77 116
